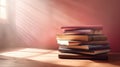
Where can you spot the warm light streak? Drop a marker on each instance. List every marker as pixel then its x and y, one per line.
pixel 3 2
pixel 3 11
pixel 27 52
pixel 51 57
pixel 42 55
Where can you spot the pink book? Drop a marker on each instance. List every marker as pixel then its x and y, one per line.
pixel 93 27
pixel 86 31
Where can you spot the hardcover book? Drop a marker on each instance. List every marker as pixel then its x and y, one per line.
pixel 87 47
pixel 85 52
pixel 80 56
pixel 93 27
pixel 72 42
pixel 82 32
pixel 82 37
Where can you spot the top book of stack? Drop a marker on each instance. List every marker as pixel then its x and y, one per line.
pixel 93 27
pixel 82 29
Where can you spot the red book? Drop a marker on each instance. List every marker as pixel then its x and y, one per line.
pixel 93 27
pixel 83 32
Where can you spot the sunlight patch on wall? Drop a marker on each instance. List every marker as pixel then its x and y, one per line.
pixel 3 9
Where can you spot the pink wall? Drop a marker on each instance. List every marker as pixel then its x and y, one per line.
pixel 38 21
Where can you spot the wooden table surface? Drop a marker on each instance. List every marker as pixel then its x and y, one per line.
pixel 31 57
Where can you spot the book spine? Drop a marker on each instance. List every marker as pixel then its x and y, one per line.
pixel 87 47
pixel 67 42
pixel 76 51
pixel 98 47
pixel 82 37
pixel 97 38
pixel 73 37
pixel 82 27
pixel 95 43
pixel 83 57
pixel 83 32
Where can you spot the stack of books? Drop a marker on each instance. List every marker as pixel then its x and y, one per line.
pixel 83 42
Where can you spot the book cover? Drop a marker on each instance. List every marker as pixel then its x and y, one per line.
pixel 86 47
pixel 93 27
pixel 82 32
pixel 85 52
pixel 81 37
pixel 71 42
pixel 80 56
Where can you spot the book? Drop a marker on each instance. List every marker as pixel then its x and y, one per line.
pixel 92 27
pixel 81 37
pixel 71 42
pixel 95 43
pixel 82 32
pixel 85 52
pixel 87 47
pixel 80 56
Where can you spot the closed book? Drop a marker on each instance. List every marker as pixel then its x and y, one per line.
pixel 80 56
pixel 82 32
pixel 82 37
pixel 71 42
pixel 95 43
pixel 85 52
pixel 93 27
pixel 87 47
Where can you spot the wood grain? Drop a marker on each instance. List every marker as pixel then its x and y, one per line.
pixel 49 58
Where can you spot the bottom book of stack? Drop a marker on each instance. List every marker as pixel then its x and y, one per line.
pixel 66 53
pixel 82 56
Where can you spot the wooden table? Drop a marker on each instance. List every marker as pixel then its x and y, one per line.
pixel 31 57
